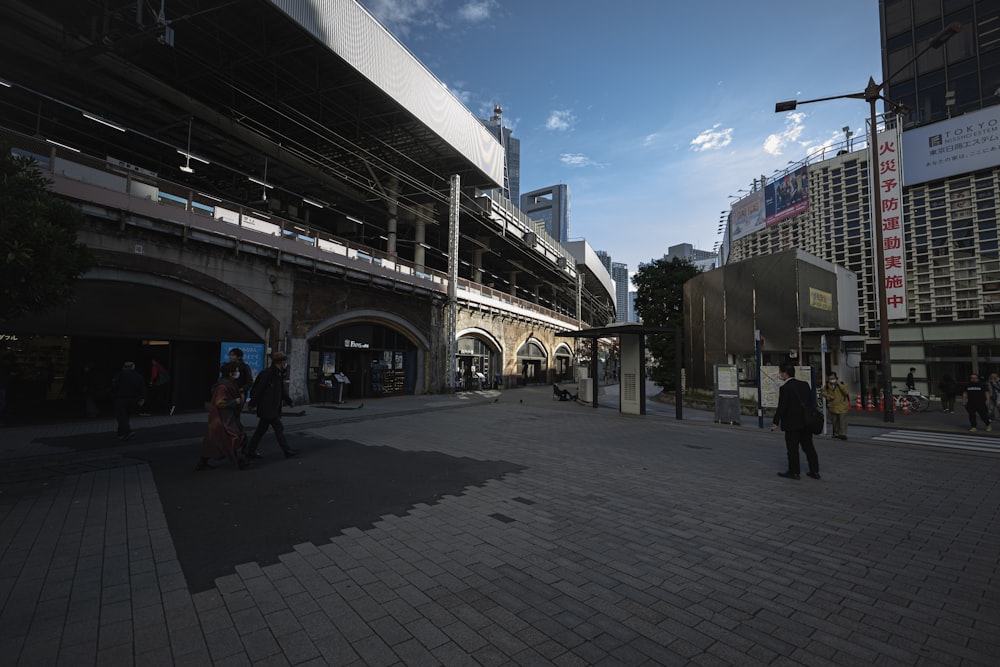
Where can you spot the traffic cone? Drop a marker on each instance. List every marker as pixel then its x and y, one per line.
pixel 857 403
pixel 906 406
pixel 871 403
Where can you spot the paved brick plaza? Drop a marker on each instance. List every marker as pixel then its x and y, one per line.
pixel 596 538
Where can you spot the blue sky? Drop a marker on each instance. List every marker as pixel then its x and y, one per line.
pixel 653 112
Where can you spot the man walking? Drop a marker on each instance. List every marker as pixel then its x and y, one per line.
pixel 838 402
pixel 793 399
pixel 129 391
pixel 245 382
pixel 267 396
pixel 974 398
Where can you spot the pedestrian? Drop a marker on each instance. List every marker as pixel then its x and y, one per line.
pixel 159 378
pixel 129 391
pixel 975 398
pixel 793 399
pixel 948 393
pixel 994 384
pixel 226 438
pixel 838 402
pixel 911 383
pixel 245 381
pixel 267 396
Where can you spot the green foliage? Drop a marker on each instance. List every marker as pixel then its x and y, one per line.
pixel 39 256
pixel 659 301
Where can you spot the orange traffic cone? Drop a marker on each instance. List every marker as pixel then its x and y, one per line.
pixel 857 403
pixel 871 403
pixel 906 406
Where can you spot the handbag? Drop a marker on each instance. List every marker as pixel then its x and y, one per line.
pixel 812 418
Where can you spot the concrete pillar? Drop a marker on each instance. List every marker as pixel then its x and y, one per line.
pixel 392 203
pixel 420 234
pixel 477 265
pixel 512 279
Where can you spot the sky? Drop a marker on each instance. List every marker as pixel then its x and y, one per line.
pixel 655 113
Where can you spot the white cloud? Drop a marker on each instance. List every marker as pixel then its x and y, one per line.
pixel 476 10
pixel 790 135
pixel 560 120
pixel 408 17
pixel 458 90
pixel 578 160
pixel 712 139
pixel 651 139
pixel 402 17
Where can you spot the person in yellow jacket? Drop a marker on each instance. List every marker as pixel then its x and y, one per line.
pixel 838 402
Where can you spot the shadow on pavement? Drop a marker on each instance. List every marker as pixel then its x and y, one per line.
pixel 144 435
pixel 223 517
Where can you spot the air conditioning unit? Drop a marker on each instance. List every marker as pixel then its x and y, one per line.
pixel 531 238
pixel 561 262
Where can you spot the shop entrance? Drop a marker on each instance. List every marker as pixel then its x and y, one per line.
pixel 476 365
pixel 532 362
pixel 376 359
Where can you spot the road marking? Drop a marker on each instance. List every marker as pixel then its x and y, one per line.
pixel 969 441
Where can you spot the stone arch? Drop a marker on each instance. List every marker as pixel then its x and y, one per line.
pixel 479 359
pixel 562 369
pixel 371 315
pixel 388 356
pixel 533 361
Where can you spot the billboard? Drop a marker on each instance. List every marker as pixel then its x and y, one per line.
pixel 787 196
pixel 955 146
pixel 747 216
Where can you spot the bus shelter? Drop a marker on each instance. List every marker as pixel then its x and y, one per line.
pixel 632 343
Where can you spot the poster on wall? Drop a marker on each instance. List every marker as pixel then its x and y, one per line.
pixel 253 354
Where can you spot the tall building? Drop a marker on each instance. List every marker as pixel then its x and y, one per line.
pixel 962 76
pixel 550 206
pixel 605 259
pixel 512 154
pixel 946 318
pixel 619 274
pixel 705 260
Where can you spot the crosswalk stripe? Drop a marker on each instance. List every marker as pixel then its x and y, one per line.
pixel 943 440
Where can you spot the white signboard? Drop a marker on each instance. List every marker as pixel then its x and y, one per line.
pixel 955 146
pixel 770 383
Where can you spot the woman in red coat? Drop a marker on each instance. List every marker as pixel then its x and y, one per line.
pixel 226 438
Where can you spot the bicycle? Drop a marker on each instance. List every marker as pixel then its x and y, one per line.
pixel 917 401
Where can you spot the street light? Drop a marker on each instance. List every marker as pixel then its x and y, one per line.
pixel 871 94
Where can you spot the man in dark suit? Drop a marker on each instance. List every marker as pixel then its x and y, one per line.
pixel 793 397
pixel 267 396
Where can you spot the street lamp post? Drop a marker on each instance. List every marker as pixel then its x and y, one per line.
pixel 871 94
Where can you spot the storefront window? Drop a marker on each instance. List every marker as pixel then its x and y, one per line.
pixel 476 365
pixel 361 360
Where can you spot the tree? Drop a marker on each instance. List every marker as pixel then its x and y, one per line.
pixel 40 258
pixel 659 301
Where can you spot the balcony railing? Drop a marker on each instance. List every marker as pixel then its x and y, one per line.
pixel 129 188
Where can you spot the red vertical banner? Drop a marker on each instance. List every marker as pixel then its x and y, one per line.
pixel 889 173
